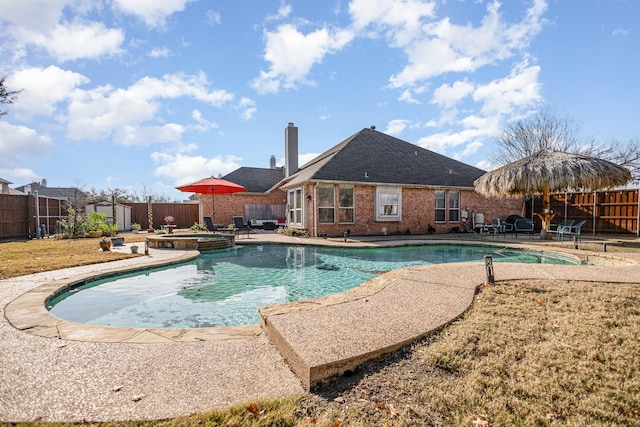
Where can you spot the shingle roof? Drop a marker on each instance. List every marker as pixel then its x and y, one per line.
pixel 375 157
pixel 256 180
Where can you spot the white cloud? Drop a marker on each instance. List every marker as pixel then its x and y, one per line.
pixel 62 38
pixel 396 127
pixel 445 47
pixel 213 17
pixel 183 169
pixel 620 32
pixel 154 13
pixel 44 88
pixel 125 114
pixel 247 107
pixel 292 54
pixel 283 12
pixel 520 89
pixel 400 19
pixel 19 175
pixel 448 96
pixel 19 143
pixel 160 52
pixel 203 124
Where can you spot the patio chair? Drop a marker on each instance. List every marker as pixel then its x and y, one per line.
pixel 553 228
pixel 522 225
pixel 239 225
pixel 209 223
pixel 572 230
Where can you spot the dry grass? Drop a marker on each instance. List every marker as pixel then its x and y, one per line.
pixel 544 353
pixel 35 256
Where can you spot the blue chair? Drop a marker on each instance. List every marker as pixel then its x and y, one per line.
pixel 572 230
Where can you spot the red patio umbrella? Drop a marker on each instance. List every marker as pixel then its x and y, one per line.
pixel 212 186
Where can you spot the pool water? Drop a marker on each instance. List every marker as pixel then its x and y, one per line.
pixel 226 287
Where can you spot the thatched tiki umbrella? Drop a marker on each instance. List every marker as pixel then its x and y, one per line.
pixel 547 171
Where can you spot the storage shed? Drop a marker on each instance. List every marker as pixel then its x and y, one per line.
pixel 123 213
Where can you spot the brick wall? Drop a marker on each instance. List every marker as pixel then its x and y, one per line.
pixel 229 205
pixel 418 212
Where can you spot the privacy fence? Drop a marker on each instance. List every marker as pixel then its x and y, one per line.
pixel 604 211
pixel 184 214
pixel 18 215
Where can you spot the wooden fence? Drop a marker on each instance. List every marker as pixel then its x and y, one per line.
pixel 613 211
pixel 184 214
pixel 18 215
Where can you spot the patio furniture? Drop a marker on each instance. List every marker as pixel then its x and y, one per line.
pixel 238 223
pixel 572 230
pixel 518 224
pixel 209 223
pixel 554 228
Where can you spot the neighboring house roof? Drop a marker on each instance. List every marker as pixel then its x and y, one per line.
pixel 256 180
pixel 5 189
pixel 71 193
pixel 373 157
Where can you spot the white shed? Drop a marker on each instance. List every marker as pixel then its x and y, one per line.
pixel 123 213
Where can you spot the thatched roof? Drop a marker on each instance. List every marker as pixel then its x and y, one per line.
pixel 552 171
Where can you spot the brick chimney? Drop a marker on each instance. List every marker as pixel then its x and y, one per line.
pixel 290 150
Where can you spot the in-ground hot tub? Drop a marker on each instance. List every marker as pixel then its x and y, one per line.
pixel 201 242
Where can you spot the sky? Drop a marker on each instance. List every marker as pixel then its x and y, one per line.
pixel 146 95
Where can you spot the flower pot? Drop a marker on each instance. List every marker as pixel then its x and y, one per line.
pixel 95 234
pixel 117 241
pixel 105 246
pixel 134 249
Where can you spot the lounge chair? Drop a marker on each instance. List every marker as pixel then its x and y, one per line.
pixel 238 224
pixel 572 230
pixel 209 223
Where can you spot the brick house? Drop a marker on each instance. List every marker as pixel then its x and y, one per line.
pixel 369 184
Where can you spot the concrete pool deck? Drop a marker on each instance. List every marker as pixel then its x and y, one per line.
pixel 162 376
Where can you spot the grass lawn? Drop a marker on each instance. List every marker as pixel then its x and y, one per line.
pixel 34 256
pixel 526 353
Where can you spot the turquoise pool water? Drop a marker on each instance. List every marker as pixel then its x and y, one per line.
pixel 226 287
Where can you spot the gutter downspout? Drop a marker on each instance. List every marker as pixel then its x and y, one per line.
pixel 315 210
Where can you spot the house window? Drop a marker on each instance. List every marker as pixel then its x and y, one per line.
pixel 388 204
pixel 295 206
pixel 447 201
pixel 326 204
pixel 454 206
pixel 441 208
pixel 345 207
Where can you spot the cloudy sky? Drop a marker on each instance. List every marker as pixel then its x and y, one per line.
pixel 133 93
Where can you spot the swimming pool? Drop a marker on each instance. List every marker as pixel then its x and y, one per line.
pixel 226 287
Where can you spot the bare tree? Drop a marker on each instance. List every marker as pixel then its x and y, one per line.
pixel 546 130
pixel 6 96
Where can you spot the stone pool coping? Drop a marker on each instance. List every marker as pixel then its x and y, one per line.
pixel 28 312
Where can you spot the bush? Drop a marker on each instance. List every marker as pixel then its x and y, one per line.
pixel 294 232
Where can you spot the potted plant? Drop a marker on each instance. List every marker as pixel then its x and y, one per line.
pixel 105 244
pixel 135 227
pixel 134 249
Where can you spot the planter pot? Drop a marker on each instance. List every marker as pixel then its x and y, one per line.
pixel 134 249
pixel 117 241
pixel 95 234
pixel 105 246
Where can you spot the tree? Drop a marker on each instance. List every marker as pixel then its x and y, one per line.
pixel 546 130
pixel 6 96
